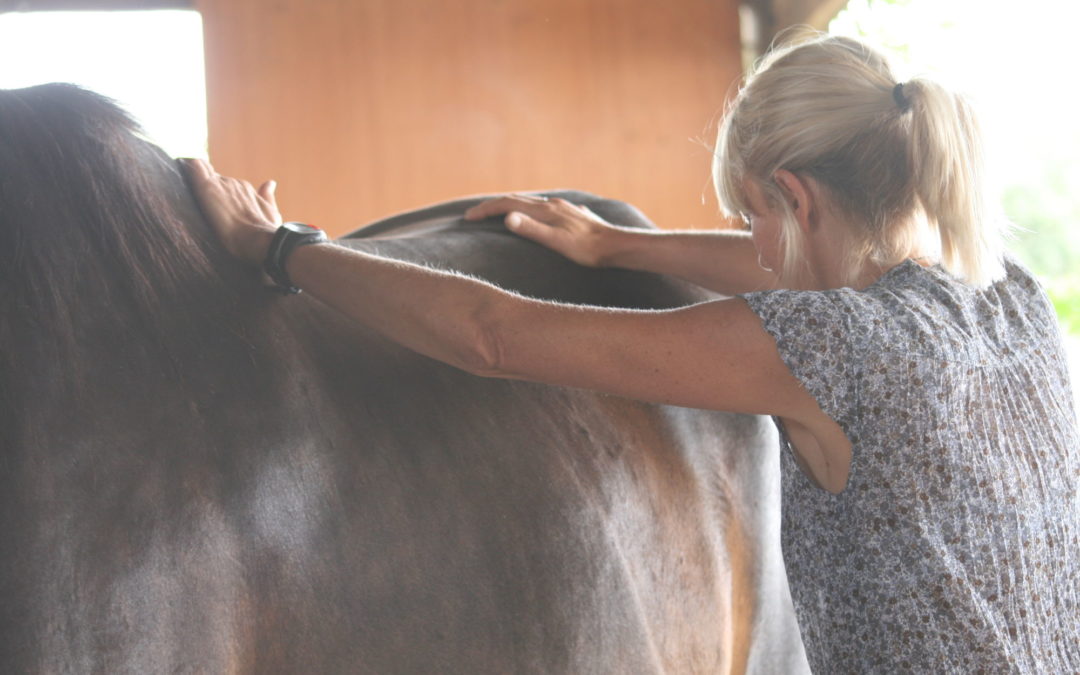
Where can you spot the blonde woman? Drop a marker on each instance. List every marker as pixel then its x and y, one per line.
pixel 931 455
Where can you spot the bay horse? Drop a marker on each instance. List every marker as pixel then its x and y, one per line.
pixel 199 475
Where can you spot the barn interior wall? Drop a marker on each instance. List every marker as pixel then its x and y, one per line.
pixel 362 108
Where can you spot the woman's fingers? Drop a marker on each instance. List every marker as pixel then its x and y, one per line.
pixel 535 206
pixel 267 189
pixel 268 200
pixel 530 215
pixel 530 228
pixel 199 167
pixel 205 182
pixel 238 213
pixel 230 202
pixel 572 230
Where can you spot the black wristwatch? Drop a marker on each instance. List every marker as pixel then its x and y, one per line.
pixel 289 237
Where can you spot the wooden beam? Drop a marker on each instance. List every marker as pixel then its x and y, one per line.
pixel 823 12
pixel 90 5
pixel 772 17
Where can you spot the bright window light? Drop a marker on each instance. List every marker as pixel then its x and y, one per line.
pixel 1016 64
pixel 151 62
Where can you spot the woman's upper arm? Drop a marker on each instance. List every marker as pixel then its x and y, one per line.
pixel 713 355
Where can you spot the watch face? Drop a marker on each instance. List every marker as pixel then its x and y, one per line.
pixel 300 228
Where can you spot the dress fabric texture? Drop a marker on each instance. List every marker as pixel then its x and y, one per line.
pixel 955 546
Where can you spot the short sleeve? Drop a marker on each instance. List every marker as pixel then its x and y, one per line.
pixel 815 340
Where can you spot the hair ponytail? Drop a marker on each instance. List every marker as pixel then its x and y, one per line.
pixel 946 158
pixel 899 161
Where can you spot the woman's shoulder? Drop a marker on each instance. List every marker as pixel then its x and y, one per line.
pixel 927 310
pixel 854 311
pixel 920 309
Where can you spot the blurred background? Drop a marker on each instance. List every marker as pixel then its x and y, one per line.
pixel 1015 62
pixel 362 108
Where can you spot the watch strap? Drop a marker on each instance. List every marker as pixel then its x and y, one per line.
pixel 289 237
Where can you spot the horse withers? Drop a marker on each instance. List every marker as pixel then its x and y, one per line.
pixel 200 475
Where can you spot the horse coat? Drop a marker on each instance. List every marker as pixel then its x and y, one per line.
pixel 200 475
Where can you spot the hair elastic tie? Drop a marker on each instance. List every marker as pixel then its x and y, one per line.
pixel 898 96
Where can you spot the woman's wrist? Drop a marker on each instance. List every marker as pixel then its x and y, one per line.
pixel 253 243
pixel 619 245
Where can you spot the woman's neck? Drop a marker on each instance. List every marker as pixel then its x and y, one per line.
pixel 830 260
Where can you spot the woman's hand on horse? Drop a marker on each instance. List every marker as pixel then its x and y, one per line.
pixel 572 230
pixel 243 218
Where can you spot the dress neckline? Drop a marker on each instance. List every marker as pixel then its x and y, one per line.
pixel 903 267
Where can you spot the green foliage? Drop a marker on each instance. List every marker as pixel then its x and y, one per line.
pixel 1065 294
pixel 1046 209
pixel 1045 238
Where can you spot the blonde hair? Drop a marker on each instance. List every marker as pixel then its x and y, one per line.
pixel 893 158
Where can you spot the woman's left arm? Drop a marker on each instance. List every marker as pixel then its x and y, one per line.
pixel 713 355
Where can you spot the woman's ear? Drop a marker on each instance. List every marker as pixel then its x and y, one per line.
pixel 800 198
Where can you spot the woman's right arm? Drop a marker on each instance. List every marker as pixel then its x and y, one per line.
pixel 724 261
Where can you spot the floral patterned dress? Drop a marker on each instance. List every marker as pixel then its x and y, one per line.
pixel 955 546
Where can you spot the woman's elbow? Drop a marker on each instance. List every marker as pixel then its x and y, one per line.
pixel 484 354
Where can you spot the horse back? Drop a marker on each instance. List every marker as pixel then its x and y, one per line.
pixel 291 492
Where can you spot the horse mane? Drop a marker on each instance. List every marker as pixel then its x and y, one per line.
pixel 101 246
